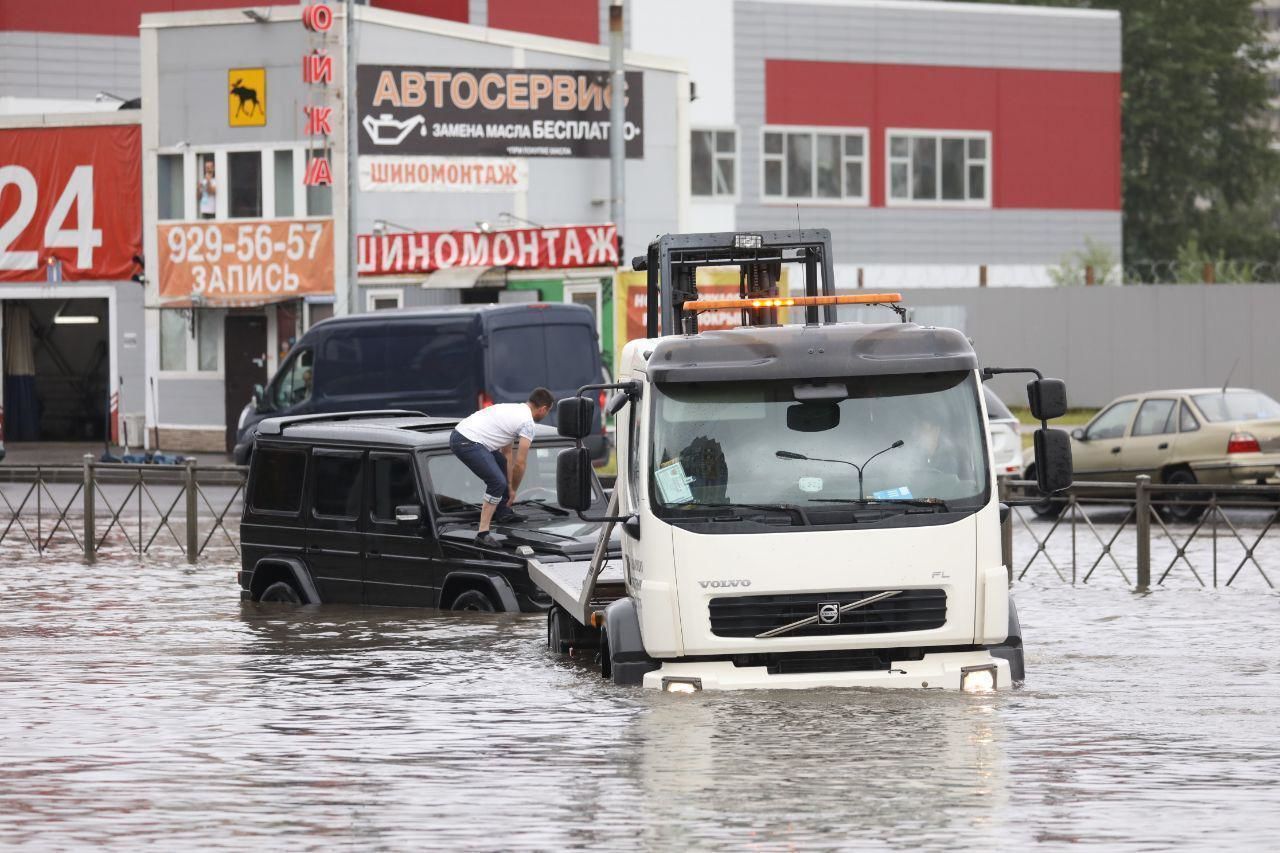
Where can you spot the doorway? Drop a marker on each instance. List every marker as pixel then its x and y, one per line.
pixel 245 362
pixel 57 369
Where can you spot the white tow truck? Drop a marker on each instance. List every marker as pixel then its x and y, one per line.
pixel 797 505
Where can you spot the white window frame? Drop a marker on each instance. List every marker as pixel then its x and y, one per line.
pixel 190 156
pixel 192 369
pixel 593 287
pixel 370 296
pixel 813 130
pixel 928 133
pixel 715 156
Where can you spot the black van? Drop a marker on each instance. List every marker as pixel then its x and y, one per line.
pixel 447 362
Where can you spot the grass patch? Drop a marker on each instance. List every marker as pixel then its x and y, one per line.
pixel 1072 419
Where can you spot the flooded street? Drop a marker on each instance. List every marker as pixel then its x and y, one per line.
pixel 147 705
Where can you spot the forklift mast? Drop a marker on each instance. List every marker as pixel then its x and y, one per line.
pixel 673 260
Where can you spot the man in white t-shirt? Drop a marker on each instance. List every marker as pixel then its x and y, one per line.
pixel 483 442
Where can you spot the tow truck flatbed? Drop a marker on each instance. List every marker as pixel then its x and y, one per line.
pixel 565 583
pixel 584 587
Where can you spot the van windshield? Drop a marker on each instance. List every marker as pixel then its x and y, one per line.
pixel 801 443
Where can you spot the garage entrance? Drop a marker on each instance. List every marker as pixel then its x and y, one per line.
pixel 57 368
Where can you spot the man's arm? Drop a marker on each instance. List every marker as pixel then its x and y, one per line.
pixel 517 467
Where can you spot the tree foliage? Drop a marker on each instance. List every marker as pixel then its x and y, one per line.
pixel 1198 163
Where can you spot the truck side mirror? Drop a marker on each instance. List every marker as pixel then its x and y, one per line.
pixel 573 478
pixel 1047 398
pixel 409 514
pixel 1053 460
pixel 574 416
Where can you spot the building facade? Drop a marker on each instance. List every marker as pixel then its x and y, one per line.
pixel 478 174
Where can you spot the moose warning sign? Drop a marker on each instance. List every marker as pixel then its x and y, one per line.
pixel 247 97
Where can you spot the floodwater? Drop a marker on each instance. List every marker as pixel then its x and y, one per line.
pixel 145 705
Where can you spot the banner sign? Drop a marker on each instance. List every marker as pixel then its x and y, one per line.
pixel 443 174
pixel 632 301
pixel 499 112
pixel 238 261
pixel 70 203
pixel 516 248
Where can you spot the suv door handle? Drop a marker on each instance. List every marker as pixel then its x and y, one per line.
pixel 1115 450
pixel 1164 445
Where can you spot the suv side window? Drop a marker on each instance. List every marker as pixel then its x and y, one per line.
pixel 1112 422
pixel 393 485
pixel 294 387
pixel 1154 418
pixel 337 479
pixel 1186 421
pixel 278 476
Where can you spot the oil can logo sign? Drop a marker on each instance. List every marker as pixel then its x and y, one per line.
pixel 247 97
pixel 495 112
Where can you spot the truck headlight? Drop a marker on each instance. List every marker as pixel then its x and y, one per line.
pixel 978 679
pixel 675 684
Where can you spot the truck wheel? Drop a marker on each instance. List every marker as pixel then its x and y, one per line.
pixel 561 633
pixel 1179 507
pixel 1046 507
pixel 280 592
pixel 474 600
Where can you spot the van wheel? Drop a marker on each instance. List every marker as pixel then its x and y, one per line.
pixel 1179 508
pixel 1047 507
pixel 281 592
pixel 474 600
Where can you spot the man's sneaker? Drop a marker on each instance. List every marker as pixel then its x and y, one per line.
pixel 486 540
pixel 510 517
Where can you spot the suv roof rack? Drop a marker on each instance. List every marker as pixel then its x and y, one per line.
pixel 275 426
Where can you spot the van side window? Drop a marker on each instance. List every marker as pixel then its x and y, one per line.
pixel 393 485
pixel 337 485
pixel 277 480
pixel 295 382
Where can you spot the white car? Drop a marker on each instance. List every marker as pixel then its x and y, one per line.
pixel 1006 437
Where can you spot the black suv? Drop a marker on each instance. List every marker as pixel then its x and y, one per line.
pixel 373 508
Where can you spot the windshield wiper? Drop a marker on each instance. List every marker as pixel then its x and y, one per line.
pixel 935 504
pixel 542 502
pixel 797 512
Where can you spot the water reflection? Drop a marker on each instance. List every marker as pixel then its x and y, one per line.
pixel 148 705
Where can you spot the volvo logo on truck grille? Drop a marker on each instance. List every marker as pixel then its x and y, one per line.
pixel 829 612
pixel 724 584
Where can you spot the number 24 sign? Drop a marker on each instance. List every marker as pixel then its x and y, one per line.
pixel 70 193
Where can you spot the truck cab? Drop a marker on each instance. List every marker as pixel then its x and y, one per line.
pixel 801 505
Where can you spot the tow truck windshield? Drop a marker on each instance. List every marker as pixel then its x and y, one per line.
pixel 906 443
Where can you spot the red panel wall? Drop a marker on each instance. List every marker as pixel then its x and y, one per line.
pixel 450 10
pixel 566 19
pixel 120 17
pixel 1055 134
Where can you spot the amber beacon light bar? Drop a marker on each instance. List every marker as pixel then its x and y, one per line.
pixel 793 302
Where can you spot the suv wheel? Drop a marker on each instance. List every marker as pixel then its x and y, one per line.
pixel 475 600
pixel 281 592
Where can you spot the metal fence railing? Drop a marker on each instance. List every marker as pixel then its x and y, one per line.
pixel 99 507
pixel 1142 530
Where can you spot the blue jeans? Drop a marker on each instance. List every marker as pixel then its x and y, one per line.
pixel 488 465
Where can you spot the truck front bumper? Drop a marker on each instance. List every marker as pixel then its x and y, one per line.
pixel 943 670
